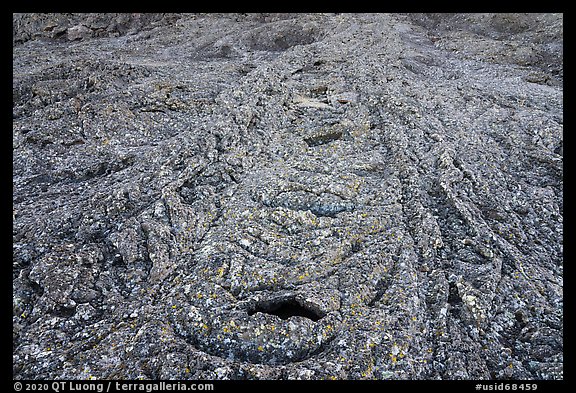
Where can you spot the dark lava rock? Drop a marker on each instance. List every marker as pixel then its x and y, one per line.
pixel 287 196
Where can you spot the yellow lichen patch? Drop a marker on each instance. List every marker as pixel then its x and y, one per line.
pixel 327 330
pixel 368 370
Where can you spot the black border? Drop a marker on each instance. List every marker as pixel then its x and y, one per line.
pixel 342 6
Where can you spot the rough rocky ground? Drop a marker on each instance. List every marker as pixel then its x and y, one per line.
pixel 283 196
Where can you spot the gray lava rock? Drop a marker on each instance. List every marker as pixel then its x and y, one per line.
pixel 78 32
pixel 288 196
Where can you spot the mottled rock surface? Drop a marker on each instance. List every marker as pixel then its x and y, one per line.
pixel 283 196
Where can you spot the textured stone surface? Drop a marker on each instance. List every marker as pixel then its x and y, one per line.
pixel 278 196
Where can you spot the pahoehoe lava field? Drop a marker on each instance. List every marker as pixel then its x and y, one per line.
pixel 287 196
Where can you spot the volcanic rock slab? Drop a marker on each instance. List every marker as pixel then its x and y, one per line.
pixel 288 196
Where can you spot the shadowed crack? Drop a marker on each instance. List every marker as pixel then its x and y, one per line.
pixel 323 139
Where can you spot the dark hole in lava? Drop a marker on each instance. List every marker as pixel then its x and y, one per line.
pixel 286 308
